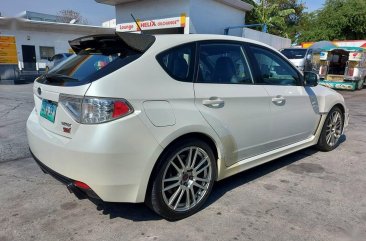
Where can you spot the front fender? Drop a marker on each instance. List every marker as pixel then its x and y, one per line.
pixel 327 98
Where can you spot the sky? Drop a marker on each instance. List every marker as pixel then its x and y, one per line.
pixel 95 13
pixel 311 4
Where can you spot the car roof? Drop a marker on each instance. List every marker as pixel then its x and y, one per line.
pixel 171 40
pixel 294 48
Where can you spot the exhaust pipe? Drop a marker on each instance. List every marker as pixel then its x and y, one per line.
pixel 78 193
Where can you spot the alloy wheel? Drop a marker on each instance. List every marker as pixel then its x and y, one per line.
pixel 186 179
pixel 334 129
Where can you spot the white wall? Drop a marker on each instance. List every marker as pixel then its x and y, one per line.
pixel 212 17
pixel 46 34
pixel 37 38
pixel 205 16
pixel 110 23
pixel 151 9
pixel 276 42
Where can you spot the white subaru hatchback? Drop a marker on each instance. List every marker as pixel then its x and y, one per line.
pixel 159 119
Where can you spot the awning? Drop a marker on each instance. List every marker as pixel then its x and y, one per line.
pixel 348 49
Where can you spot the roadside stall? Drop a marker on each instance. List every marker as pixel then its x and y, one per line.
pixel 338 67
pixel 343 68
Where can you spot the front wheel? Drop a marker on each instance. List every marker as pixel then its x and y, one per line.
pixel 360 84
pixel 332 130
pixel 183 180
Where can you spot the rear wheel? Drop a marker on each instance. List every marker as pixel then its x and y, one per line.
pixel 184 180
pixel 332 130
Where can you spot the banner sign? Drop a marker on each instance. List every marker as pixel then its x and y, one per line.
pixel 7 39
pixel 176 22
pixel 8 50
pixel 355 56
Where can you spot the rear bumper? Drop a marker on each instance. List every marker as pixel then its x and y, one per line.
pixel 79 193
pixel 114 159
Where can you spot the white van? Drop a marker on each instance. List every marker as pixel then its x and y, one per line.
pixel 297 56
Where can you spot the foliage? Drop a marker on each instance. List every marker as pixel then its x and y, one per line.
pixel 337 20
pixel 71 16
pixel 278 15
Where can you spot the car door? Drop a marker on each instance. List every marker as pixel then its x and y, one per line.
pixel 294 114
pixel 225 95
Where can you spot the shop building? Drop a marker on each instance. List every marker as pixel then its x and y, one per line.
pixel 179 16
pixel 28 41
pixel 189 17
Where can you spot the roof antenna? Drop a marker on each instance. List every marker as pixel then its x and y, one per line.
pixel 138 25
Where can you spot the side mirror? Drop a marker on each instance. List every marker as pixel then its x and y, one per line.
pixel 311 79
pixel 308 57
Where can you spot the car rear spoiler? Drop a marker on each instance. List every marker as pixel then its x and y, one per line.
pixel 136 42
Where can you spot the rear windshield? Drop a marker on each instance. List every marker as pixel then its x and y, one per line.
pixel 294 53
pixel 87 66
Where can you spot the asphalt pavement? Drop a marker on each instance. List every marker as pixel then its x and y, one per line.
pixel 308 195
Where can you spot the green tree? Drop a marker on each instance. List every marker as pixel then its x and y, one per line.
pixel 294 19
pixel 338 19
pixel 276 14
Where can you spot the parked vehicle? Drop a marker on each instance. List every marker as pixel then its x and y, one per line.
pixel 298 56
pixel 343 68
pixel 158 119
pixel 56 59
pixel 338 67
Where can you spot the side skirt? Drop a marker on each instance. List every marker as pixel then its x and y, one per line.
pixel 251 162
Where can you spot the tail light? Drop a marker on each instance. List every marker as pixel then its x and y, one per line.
pixel 94 110
pixel 81 185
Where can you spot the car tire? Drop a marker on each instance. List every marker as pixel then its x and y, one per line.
pixel 332 130
pixel 360 84
pixel 183 179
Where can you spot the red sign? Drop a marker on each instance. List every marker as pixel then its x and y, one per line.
pixel 152 24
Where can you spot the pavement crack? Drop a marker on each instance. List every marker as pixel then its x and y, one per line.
pixel 15 159
pixel 12 109
pixel 27 179
pixel 13 123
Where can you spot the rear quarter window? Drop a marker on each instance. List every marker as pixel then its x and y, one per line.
pixel 178 62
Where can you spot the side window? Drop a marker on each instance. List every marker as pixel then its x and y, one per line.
pixel 223 64
pixel 273 69
pixel 178 62
pixel 56 57
pixel 46 52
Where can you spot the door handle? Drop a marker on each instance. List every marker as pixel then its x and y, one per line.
pixel 279 100
pixel 214 102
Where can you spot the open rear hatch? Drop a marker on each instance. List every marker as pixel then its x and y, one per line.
pixel 96 57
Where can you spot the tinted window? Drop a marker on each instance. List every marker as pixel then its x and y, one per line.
pixel 178 62
pixel 223 64
pixel 57 57
pixel 86 67
pixel 294 53
pixel 273 70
